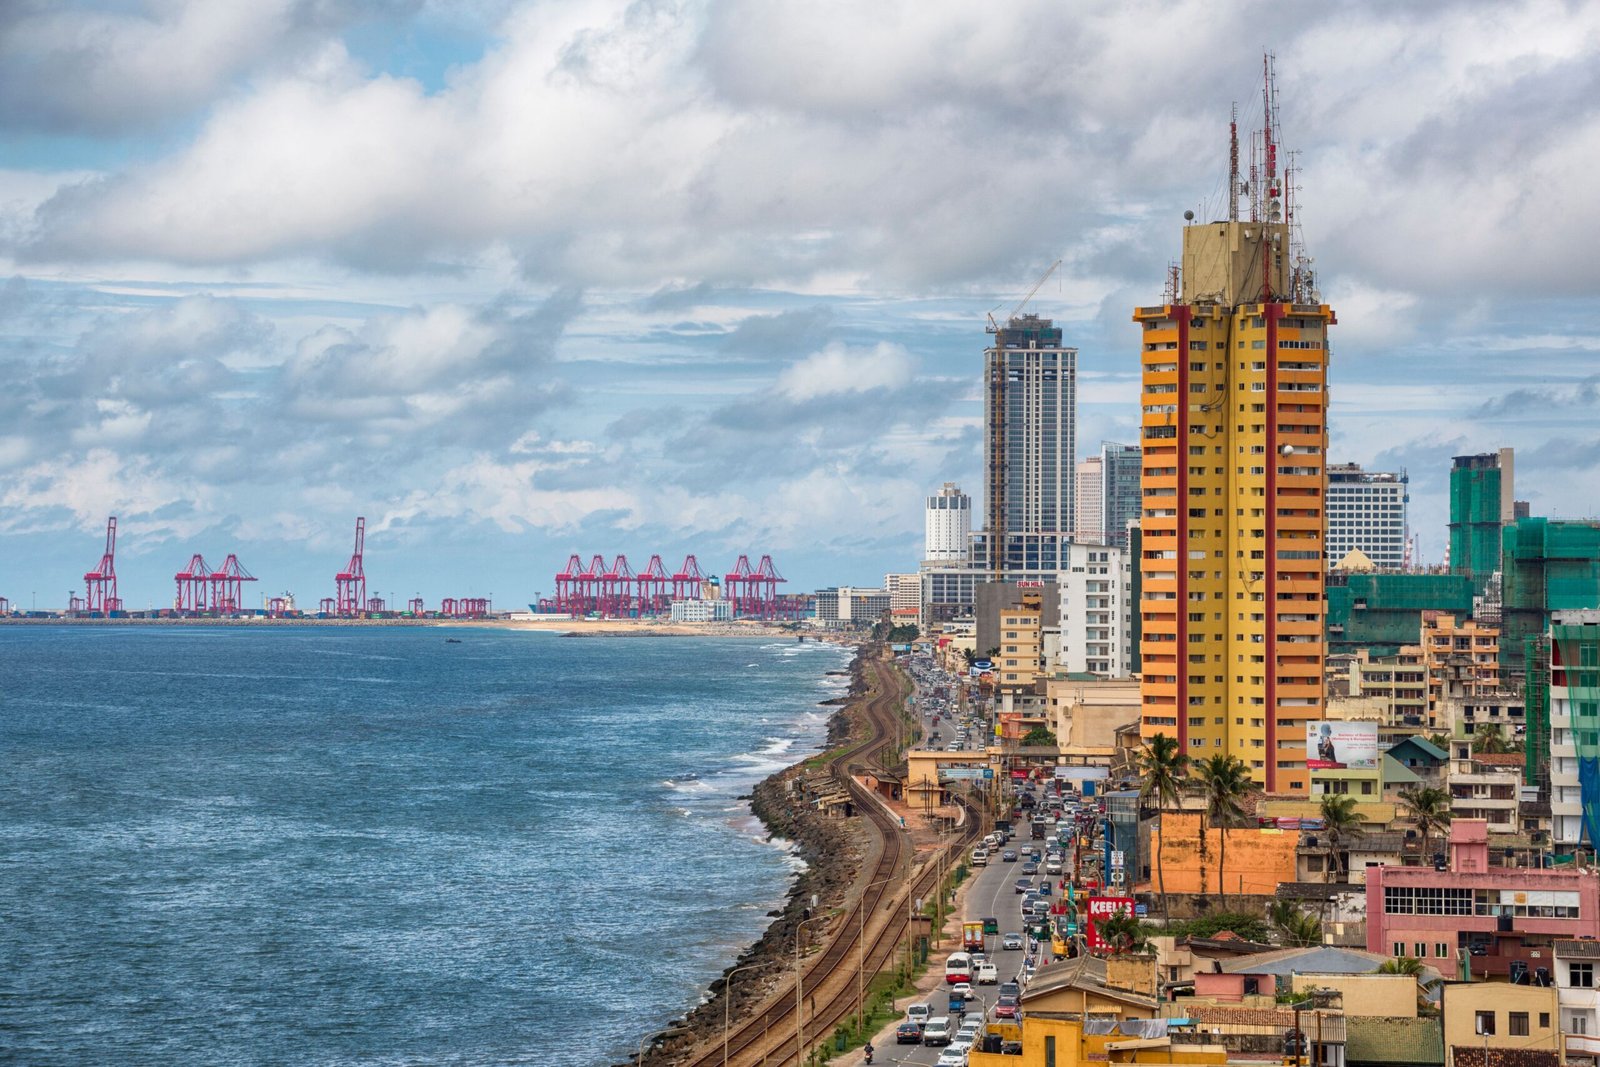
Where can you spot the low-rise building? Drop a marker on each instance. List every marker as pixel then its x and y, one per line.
pixel 1474 920
pixel 1487 1023
pixel 702 611
pixel 1487 786
pixel 1578 992
pixel 1461 659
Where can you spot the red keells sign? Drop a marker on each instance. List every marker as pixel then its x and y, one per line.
pixel 1104 908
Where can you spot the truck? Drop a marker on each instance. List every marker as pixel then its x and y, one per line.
pixel 972 936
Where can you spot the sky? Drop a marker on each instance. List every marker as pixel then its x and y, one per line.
pixel 520 280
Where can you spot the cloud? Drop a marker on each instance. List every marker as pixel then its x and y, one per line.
pixel 1585 393
pixel 838 369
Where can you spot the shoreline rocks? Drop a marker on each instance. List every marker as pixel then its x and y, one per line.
pixel 832 851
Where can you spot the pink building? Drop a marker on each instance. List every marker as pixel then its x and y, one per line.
pixel 1504 921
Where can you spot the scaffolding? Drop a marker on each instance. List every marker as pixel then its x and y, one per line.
pixel 1547 566
pixel 1575 666
pixel 1383 611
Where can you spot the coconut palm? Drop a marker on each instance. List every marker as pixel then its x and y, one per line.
pixel 1161 766
pixel 1488 740
pixel 1294 925
pixel 1429 809
pixel 1121 932
pixel 1402 965
pixel 1339 820
pixel 1224 781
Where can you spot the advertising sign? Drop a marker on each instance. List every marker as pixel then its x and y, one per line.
pixel 1341 745
pixel 1101 908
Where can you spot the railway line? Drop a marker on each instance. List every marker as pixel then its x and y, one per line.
pixel 863 937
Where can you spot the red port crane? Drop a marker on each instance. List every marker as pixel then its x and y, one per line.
pixel 100 584
pixel 686 583
pixel 227 586
pixel 350 584
pixel 616 589
pixel 764 587
pixel 567 584
pixel 414 605
pixel 653 582
pixel 589 582
pixel 191 598
pixel 376 605
pixel 326 607
pixel 737 586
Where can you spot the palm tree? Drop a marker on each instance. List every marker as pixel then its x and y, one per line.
pixel 1121 932
pixel 1488 740
pixel 1161 765
pixel 1296 927
pixel 1224 780
pixel 1402 965
pixel 1339 819
pixel 1429 809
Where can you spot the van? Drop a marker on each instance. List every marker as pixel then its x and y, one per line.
pixel 980 857
pixel 936 1031
pixel 919 1013
pixel 958 968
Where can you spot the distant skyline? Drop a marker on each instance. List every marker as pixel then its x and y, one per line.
pixel 517 280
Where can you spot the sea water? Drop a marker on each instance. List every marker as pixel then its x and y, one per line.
pixel 328 845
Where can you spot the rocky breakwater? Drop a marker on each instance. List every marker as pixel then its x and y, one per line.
pixel 832 849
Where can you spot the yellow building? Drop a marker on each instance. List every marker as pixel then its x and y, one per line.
pixel 1061 1042
pixel 1019 665
pixel 1234 428
pixel 1461 659
pixel 1499 1017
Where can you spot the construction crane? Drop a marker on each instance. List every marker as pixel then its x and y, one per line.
pixel 994 327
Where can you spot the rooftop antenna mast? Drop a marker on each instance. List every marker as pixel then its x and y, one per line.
pixel 1272 205
pixel 1233 165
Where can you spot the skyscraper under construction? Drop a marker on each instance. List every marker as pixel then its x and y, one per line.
pixel 1234 428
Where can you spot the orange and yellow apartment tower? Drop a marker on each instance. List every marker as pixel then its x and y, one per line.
pixel 1235 432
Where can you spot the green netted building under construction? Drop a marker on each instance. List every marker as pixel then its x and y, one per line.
pixel 1546 565
pixel 1384 611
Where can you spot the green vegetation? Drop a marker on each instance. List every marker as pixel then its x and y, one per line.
pixel 1488 740
pixel 1039 735
pixel 1429 809
pixel 1249 927
pixel 1402 965
pixel 1340 820
pixel 1224 780
pixel 1295 927
pixel 1161 766
pixel 1123 933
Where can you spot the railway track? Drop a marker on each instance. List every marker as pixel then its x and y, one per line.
pixel 862 938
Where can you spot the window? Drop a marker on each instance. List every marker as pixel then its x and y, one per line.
pixel 1581 976
pixel 1518 1026
pixel 1422 950
pixel 1578 1024
pixel 1483 1022
pixel 1544 1020
pixel 1441 950
pixel 1399 949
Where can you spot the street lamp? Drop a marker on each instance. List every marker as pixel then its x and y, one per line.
pixel 727 998
pixel 861 946
pixel 799 979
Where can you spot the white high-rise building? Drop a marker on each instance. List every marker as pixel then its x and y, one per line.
pixel 1030 444
pixel 947 524
pixel 1096 620
pixel 1367 511
pixel 905 591
pixel 1090 526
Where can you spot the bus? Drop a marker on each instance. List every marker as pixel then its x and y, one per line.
pixel 958 968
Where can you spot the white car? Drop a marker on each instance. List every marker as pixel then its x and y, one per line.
pixel 962 990
pixel 986 974
pixel 952 1057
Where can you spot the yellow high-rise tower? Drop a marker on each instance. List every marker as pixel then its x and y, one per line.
pixel 1235 432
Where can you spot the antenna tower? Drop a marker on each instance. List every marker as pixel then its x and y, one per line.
pixel 1233 164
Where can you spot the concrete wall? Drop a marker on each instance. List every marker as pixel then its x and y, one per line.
pixel 1462 1002
pixel 1391 996
pixel 1256 860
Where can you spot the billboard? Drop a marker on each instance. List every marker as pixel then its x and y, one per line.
pixel 1341 745
pixel 1104 908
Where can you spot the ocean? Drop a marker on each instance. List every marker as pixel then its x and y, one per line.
pixel 329 845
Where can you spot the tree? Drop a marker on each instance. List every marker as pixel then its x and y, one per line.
pixel 1295 927
pixel 1402 965
pixel 1039 735
pixel 1339 820
pixel 1224 782
pixel 970 655
pixel 1429 809
pixel 1121 932
pixel 1161 766
pixel 1488 740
